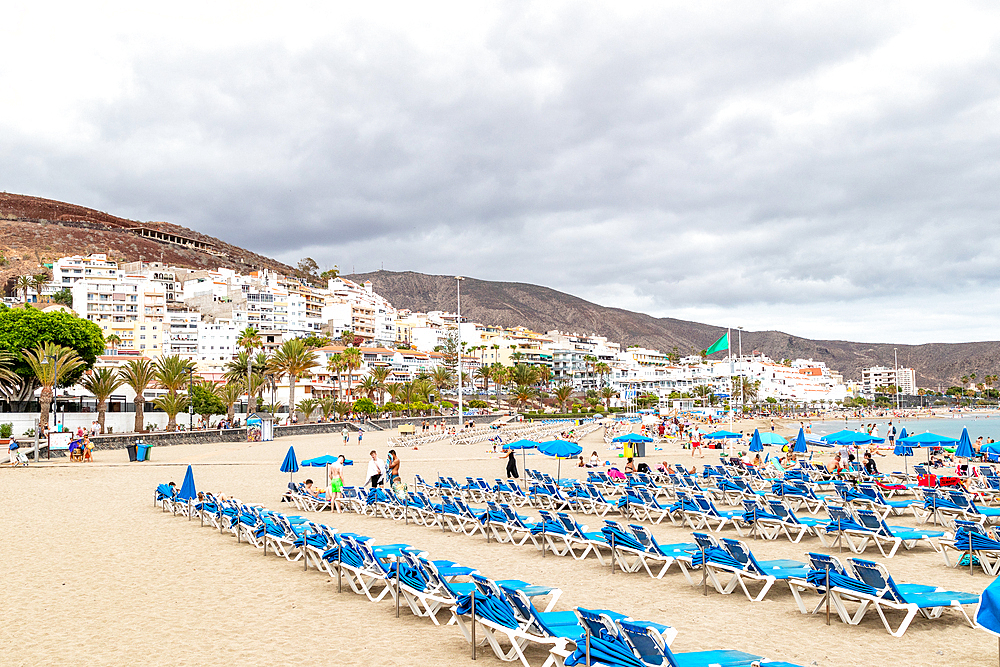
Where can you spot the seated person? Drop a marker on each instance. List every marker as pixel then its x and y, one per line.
pixel 836 465
pixel 869 463
pixel 629 466
pixel 581 463
pixel 595 460
pixel 311 490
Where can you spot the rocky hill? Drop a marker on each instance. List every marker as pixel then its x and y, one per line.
pixel 544 309
pixel 35 231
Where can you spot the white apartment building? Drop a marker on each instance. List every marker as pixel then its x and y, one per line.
pixel 97 268
pixel 133 309
pixel 356 307
pixel 882 376
pixel 217 341
pixel 182 327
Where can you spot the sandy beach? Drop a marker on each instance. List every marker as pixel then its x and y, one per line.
pixel 98 576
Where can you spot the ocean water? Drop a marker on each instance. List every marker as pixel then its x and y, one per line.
pixel 986 425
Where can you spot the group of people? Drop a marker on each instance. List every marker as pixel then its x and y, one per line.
pixel 380 472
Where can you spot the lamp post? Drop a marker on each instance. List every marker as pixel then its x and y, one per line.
pixel 895 375
pixel 458 322
pixel 190 372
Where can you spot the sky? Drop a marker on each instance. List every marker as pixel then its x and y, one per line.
pixel 825 169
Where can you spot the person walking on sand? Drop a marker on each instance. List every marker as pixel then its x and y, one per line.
pixel 337 483
pixel 346 435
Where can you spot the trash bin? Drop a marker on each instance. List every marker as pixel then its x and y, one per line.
pixel 142 452
pixel 639 450
pixel 131 453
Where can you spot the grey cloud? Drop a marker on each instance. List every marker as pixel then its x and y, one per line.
pixel 659 151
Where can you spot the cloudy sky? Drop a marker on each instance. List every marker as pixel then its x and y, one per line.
pixel 829 170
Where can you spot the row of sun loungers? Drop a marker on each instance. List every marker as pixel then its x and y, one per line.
pixel 505 613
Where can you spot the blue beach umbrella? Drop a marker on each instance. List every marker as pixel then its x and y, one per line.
pixel 964 449
pixel 522 445
pixel 320 461
pixel 188 491
pixel 768 438
pixel 988 611
pixel 902 434
pixel 851 438
pixel 905 452
pixel 290 464
pixel 927 440
pixel 560 449
pixel 632 437
pixel 755 444
pixel 800 443
pixel 723 435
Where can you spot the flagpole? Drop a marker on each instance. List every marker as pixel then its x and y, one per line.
pixel 729 342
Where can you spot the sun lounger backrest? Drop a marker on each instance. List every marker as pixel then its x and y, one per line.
pixel 875 576
pixel 739 552
pixel 705 541
pixel 823 561
pixel 649 645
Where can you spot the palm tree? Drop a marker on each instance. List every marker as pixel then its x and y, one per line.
pixel 23 283
pixel 607 393
pixel 113 342
pixel 38 281
pixel 8 378
pixel 172 374
pixel 249 340
pixel 101 382
pixel 602 370
pixel 523 375
pixel 562 395
pixel 524 395
pixel 328 405
pixel 422 389
pixel 442 378
pixel 138 374
pixel 50 363
pixel 172 404
pixel 703 391
pixel 381 376
pixel 307 406
pixel 499 373
pixel 230 395
pixel 294 360
pixel 369 386
pixel 484 373
pixel 342 409
pixel 335 364
pixel 352 362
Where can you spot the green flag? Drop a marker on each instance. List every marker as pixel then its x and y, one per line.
pixel 721 344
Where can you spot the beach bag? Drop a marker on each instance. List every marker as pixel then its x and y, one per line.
pixel 927 480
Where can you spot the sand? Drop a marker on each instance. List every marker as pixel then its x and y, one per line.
pixel 95 575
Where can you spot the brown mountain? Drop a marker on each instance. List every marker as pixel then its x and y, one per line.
pixel 35 231
pixel 543 309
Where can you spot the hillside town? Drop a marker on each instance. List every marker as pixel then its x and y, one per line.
pixel 153 311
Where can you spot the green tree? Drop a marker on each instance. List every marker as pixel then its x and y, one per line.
pixel 330 274
pixel 52 364
pixel 352 361
pixel 295 361
pixel 23 283
pixel 442 378
pixel 381 374
pixel 607 393
pixel 249 340
pixel 562 395
pixel 172 404
pixel 101 382
pixel 63 297
pixel 138 374
pixel 365 406
pixel 206 397
pixel 316 341
pixel 28 328
pixel 173 374
pixel 230 394
pixel 308 266
pixel 328 405
pixel 307 406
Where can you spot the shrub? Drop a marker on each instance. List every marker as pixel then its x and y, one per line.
pixel 6 430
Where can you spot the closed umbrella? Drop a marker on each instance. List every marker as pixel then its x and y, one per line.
pixel 290 464
pixel 905 452
pixel 559 449
pixel 964 449
pixel 755 444
pixel 800 443
pixel 187 491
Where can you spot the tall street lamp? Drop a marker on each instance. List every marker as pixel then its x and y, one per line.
pixel 55 398
pixel 190 399
pixel 461 413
